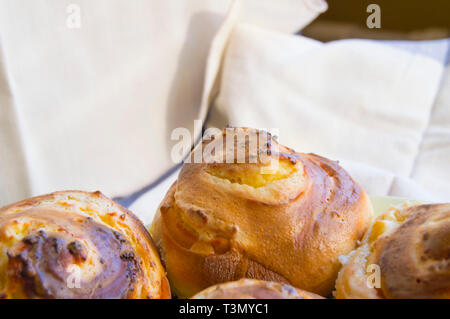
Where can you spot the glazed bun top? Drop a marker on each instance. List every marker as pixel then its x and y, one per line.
pixel 254 289
pixel 252 164
pixel 76 244
pixel 269 213
pixel 411 247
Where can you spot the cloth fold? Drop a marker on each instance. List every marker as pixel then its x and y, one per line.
pixel 93 105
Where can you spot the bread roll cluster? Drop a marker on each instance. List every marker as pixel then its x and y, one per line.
pixel 251 219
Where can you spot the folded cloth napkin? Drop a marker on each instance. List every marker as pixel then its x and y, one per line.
pixel 351 100
pixel 379 107
pixel 90 91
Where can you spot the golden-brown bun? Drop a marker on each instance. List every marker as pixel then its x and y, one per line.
pixel 75 244
pixel 224 221
pixel 411 247
pixel 254 289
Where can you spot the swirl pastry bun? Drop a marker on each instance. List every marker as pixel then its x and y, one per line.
pixel 254 289
pixel 76 244
pixel 270 213
pixel 410 247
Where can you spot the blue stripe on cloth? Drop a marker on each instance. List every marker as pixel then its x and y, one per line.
pixel 435 49
pixel 127 201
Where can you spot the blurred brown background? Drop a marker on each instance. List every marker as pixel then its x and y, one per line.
pixel 400 20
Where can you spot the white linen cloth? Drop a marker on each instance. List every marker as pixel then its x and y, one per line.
pixel 94 107
pixel 381 108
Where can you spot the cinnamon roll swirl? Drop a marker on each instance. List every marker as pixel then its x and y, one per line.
pixel 410 249
pixel 76 244
pixel 270 213
pixel 254 289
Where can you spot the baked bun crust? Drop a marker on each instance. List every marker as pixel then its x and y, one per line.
pixel 286 217
pixel 254 289
pixel 75 244
pixel 411 247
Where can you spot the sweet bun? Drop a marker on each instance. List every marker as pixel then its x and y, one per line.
pixel 410 247
pixel 76 244
pixel 254 289
pixel 271 214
